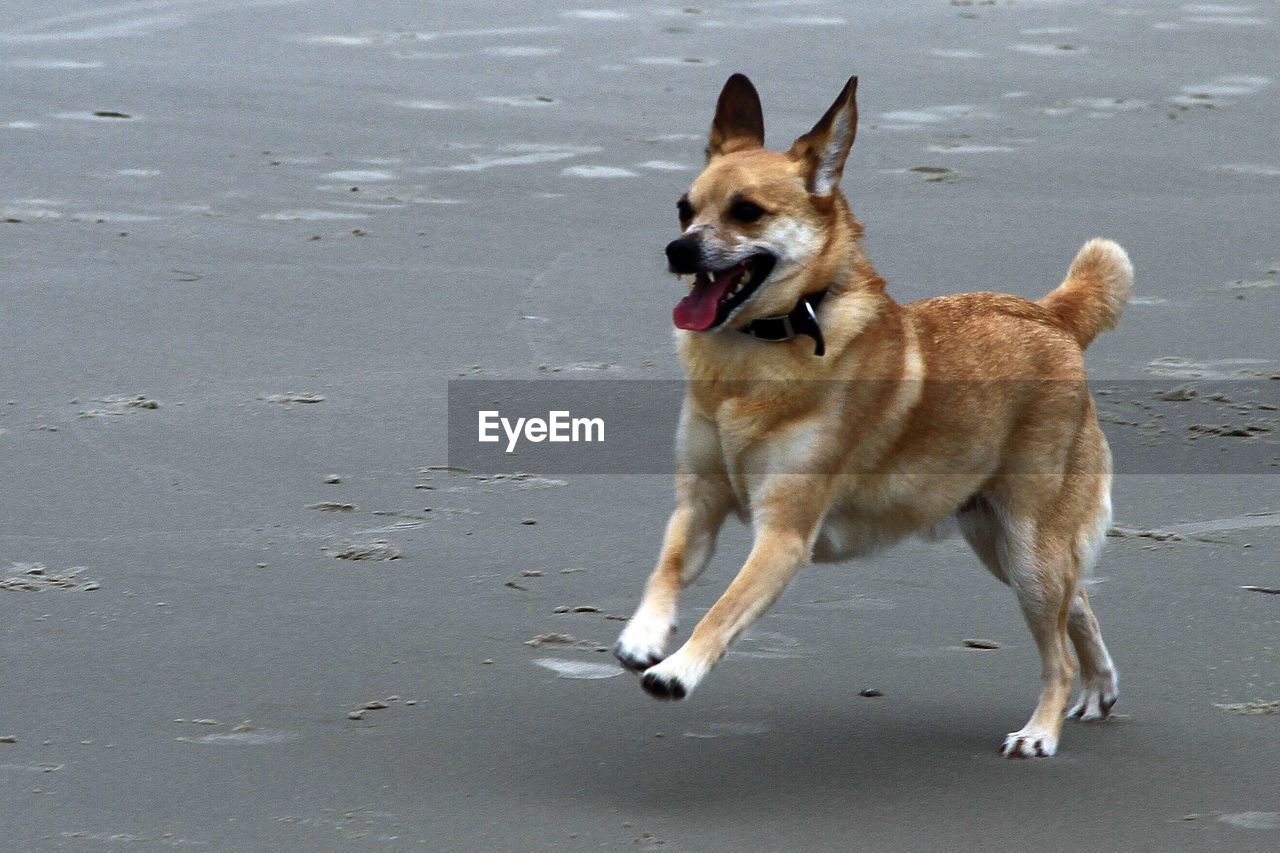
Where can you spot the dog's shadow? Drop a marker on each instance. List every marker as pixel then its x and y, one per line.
pixel 799 753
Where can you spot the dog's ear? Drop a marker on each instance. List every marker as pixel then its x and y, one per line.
pixel 739 121
pixel 823 150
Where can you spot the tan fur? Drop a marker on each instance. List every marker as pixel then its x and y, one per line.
pixel 968 408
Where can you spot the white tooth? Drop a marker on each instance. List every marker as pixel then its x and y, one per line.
pixel 746 277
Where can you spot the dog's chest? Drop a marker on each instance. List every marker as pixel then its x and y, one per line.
pixel 768 459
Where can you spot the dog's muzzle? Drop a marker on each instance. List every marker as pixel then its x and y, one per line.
pixel 716 293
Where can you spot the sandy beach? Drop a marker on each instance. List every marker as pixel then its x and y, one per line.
pixel 246 602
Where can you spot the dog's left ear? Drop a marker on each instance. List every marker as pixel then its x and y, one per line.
pixel 824 149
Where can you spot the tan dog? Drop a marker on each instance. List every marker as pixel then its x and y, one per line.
pixel 837 421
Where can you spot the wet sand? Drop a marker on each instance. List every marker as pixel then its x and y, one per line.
pixel 244 605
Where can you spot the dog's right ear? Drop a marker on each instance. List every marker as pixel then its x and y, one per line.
pixel 739 121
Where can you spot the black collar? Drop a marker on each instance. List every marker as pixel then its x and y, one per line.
pixel 803 320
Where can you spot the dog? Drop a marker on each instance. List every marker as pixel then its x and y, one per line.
pixel 836 421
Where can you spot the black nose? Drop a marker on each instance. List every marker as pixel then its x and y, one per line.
pixel 683 255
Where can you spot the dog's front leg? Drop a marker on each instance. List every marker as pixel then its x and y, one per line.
pixel 702 502
pixel 781 549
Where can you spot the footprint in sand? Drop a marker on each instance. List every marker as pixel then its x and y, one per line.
pixel 579 670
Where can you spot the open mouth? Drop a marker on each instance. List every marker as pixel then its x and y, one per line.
pixel 717 294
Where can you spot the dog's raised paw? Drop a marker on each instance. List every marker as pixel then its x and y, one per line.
pixel 661 686
pixel 1028 744
pixel 643 642
pixel 1094 705
pixel 635 659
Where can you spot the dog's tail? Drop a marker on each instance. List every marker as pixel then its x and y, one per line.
pixel 1094 292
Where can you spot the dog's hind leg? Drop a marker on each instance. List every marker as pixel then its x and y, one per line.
pixel 702 502
pixel 1032 543
pixel 1043 577
pixel 1098 680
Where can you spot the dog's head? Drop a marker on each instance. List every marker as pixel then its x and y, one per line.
pixel 757 222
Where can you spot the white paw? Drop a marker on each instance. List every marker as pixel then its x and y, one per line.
pixel 1029 743
pixel 644 641
pixel 675 677
pixel 1095 701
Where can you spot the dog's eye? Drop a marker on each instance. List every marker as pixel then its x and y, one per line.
pixel 745 211
pixel 684 209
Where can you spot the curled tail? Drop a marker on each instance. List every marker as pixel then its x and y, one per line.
pixel 1095 291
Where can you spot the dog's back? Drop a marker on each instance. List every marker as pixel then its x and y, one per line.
pixel 998 335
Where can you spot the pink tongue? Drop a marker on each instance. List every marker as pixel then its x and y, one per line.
pixel 697 311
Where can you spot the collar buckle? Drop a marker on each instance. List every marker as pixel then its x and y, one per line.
pixel 801 320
